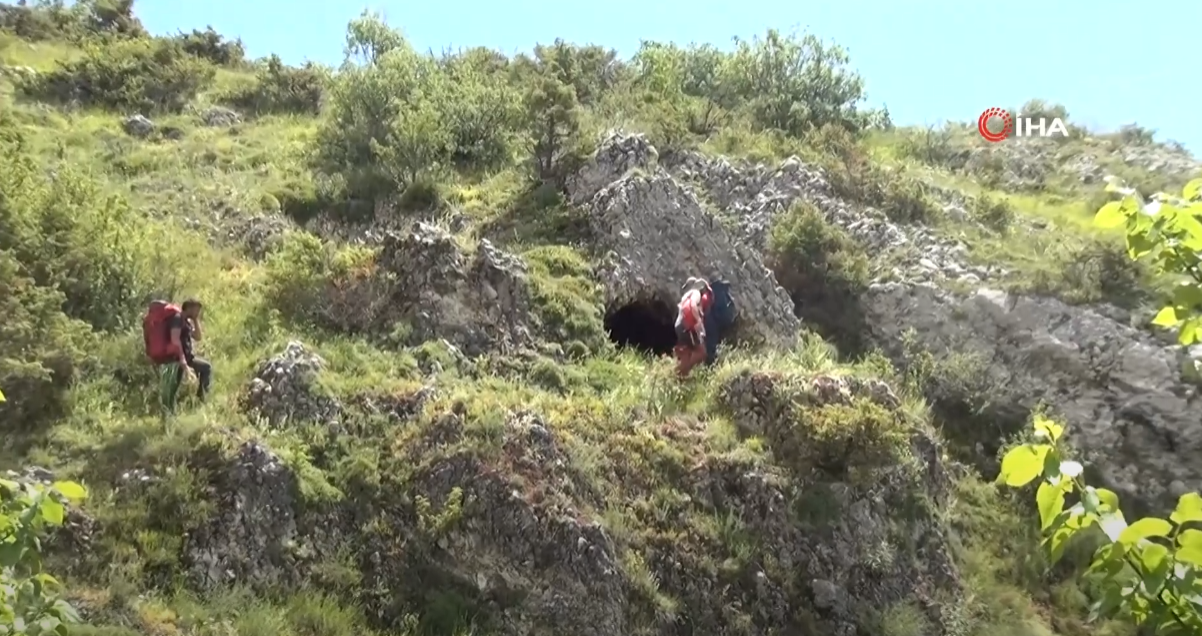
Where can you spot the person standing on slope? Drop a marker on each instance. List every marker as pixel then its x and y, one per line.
pixel 183 328
pixel 690 325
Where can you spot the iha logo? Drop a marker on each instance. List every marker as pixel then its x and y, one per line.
pixel 1006 125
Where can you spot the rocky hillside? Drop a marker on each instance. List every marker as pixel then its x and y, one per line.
pixel 438 301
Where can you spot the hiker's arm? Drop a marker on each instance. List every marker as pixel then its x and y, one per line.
pixel 197 332
pixel 178 345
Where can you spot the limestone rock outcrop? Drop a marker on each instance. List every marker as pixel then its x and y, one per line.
pixel 1128 406
pixel 654 234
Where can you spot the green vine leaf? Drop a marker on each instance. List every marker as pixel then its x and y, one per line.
pixel 1144 529
pixel 1051 501
pixel 1189 508
pixel 1022 464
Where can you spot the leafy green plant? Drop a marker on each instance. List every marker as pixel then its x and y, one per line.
pixel 29 597
pixel 1146 571
pixel 1167 231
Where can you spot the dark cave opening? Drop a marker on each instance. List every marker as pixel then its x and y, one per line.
pixel 645 325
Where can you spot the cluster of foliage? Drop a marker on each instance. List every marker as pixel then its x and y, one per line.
pixel 396 116
pixel 84 19
pixel 822 268
pixel 141 75
pixel 282 89
pixel 29 596
pixel 1147 571
pixel 1167 232
pixel 212 46
pixel 72 261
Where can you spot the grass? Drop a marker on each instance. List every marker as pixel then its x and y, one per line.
pixel 632 438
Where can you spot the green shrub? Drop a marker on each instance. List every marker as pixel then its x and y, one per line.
pixel 824 270
pixel 69 236
pixel 139 75
pixel 212 46
pixel 1097 270
pixel 279 89
pixel 71 260
pixel 933 147
pixel 43 21
pixel 29 596
pixel 296 274
pixel 996 214
pixel 905 200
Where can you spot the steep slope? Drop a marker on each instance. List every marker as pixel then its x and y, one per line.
pixel 422 423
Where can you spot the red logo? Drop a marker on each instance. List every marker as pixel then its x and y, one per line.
pixel 983 124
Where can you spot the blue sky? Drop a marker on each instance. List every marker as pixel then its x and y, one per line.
pixel 929 60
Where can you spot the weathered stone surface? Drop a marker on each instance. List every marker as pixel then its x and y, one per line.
pixel 655 235
pixel 1121 391
pixel 1127 403
pixel 249 539
pixel 847 548
pixel 138 126
pixel 424 280
pixel 284 389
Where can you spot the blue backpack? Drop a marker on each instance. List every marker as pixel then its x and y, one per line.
pixel 723 308
pixel 719 319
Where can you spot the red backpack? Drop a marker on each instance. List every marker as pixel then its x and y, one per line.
pixel 155 334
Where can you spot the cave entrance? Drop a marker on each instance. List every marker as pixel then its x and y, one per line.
pixel 645 325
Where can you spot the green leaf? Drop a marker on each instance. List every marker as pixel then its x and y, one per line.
pixel 1138 245
pixel 1189 225
pixel 1058 542
pixel 1192 190
pixel 1046 428
pixel 52 511
pixel 1108 497
pixel 1190 331
pixel 1090 501
pixel 1145 528
pixel 1187 296
pixel 1112 599
pixel 1189 508
pixel 1051 501
pixel 1154 558
pixel 1110 215
pixel 1166 317
pixel 1023 464
pixel 2 399
pixel 1189 548
pixel 72 491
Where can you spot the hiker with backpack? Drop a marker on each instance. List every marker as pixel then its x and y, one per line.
pixel 690 325
pixel 704 313
pixel 169 332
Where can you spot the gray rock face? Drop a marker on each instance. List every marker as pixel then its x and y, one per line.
pixel 138 126
pixel 219 117
pixel 1121 391
pixel 248 540
pixel 478 304
pixel 655 235
pixel 425 283
pixel 282 389
pixel 838 531
pixel 530 543
pixel 1129 408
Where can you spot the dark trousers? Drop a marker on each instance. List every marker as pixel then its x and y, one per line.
pixel 173 377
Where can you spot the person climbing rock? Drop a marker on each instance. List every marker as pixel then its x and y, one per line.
pixel 169 331
pixel 690 347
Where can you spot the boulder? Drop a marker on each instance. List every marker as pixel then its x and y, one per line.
pixel 654 234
